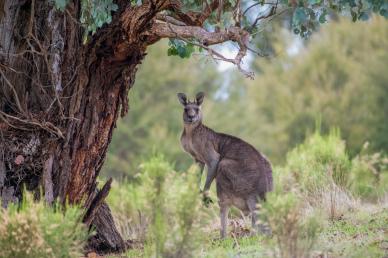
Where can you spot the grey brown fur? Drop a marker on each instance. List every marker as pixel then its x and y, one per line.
pixel 243 175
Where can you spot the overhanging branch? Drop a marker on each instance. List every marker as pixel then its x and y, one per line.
pixel 158 19
pixel 203 38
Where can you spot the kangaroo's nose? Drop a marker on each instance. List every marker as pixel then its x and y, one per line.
pixel 191 114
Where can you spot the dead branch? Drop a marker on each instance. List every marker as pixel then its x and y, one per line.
pixel 97 202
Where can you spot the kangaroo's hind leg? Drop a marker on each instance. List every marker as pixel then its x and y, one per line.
pixel 224 211
pixel 252 206
pixel 223 193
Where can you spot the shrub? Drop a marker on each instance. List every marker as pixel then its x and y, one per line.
pixel 369 174
pixel 318 171
pixel 318 162
pixel 294 232
pixel 170 206
pixel 174 208
pixel 36 230
pixel 128 203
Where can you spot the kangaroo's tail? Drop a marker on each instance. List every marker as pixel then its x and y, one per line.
pixel 268 174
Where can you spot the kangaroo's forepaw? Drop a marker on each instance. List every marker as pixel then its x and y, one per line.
pixel 206 199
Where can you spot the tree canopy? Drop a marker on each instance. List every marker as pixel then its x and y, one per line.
pixel 194 26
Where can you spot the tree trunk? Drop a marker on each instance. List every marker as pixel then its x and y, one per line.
pixel 59 103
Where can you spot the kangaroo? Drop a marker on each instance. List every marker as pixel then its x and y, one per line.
pixel 243 175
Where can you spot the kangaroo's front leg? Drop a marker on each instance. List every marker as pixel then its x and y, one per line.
pixel 201 167
pixel 211 174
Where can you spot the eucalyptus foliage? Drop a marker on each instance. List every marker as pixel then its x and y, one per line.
pixel 95 13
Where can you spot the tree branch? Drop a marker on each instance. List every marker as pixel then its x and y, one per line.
pixel 204 38
pixel 169 19
pixel 194 18
pixel 269 14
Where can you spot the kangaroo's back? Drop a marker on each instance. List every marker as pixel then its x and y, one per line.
pixel 245 169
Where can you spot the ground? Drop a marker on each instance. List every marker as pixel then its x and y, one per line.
pixel 363 233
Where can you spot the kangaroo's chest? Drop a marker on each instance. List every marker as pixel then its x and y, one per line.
pixel 187 144
pixel 190 147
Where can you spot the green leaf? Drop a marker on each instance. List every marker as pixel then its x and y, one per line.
pixel 172 52
pixel 384 13
pixel 299 15
pixel 61 4
pixel 232 2
pixel 99 23
pixel 180 48
pixel 322 17
pixel 114 7
pixel 312 2
pixel 383 10
pixel 96 13
pixel 363 16
pixel 352 3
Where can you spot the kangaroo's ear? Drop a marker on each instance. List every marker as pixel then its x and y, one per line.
pixel 182 98
pixel 199 98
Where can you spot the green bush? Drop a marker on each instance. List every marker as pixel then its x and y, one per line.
pixel 294 232
pixel 35 230
pixel 162 209
pixel 319 171
pixel 369 175
pixel 128 203
pixel 319 161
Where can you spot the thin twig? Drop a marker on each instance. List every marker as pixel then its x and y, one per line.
pixel 256 4
pixel 271 13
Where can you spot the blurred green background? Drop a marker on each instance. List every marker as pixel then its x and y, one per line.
pixel 337 78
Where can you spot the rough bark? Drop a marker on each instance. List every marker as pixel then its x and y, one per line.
pixel 59 102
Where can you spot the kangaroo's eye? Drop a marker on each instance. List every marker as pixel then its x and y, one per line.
pixel 186 109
